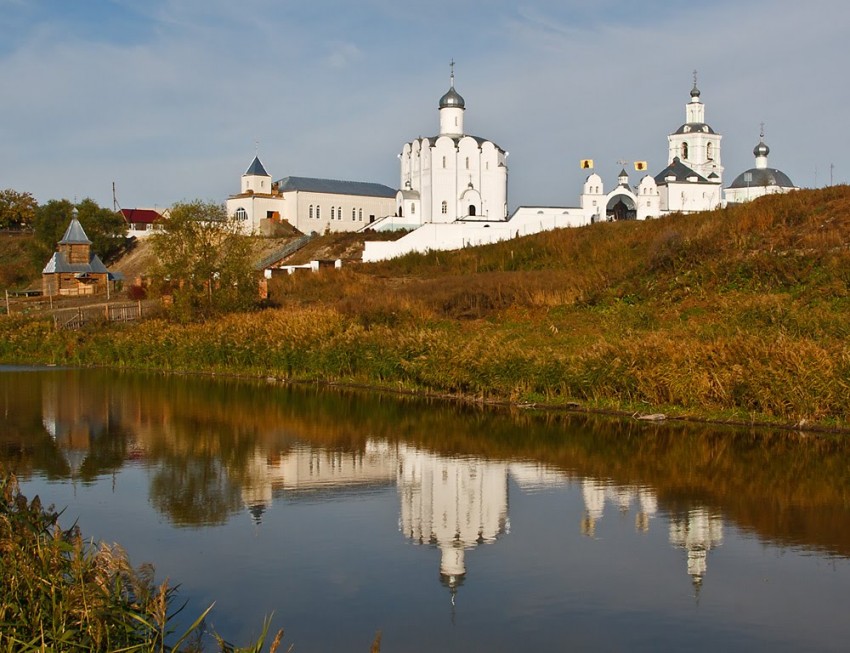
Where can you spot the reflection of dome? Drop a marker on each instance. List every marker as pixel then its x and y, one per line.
pixel 257 511
pixel 452 99
pixel 762 177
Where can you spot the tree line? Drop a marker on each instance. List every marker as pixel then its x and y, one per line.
pixel 203 259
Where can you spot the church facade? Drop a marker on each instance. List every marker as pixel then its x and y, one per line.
pixel 452 175
pixel 692 180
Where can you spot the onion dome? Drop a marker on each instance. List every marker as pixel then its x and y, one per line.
pixel 761 149
pixel 452 99
pixel 695 91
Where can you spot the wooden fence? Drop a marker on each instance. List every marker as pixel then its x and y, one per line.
pixel 76 318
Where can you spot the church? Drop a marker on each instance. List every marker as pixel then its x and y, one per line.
pixel 760 180
pixel 691 182
pixel 452 175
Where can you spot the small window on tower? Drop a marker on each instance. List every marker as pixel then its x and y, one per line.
pixel 311 211
pixel 467 163
pixel 412 208
pixel 444 208
pixel 684 151
pixel 444 162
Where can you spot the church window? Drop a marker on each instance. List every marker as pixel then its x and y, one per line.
pixel 684 151
pixel 709 152
pixel 487 166
pixel 353 214
pixel 444 162
pixel 444 208
pixel 467 163
pixel 360 215
pixel 332 213
pixel 311 211
pixel 241 214
pixel 318 212
pixel 412 208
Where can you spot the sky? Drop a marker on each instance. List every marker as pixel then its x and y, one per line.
pixel 171 99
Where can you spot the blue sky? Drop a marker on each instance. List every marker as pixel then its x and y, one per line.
pixel 167 98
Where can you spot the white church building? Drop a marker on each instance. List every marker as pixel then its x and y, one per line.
pixel 307 203
pixel 454 187
pixel 760 180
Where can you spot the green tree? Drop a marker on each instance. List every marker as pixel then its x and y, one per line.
pixel 105 228
pixel 51 220
pixel 204 259
pixel 17 210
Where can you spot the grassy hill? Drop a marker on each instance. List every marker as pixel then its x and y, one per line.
pixel 739 314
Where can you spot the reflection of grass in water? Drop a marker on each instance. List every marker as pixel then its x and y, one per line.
pixel 63 593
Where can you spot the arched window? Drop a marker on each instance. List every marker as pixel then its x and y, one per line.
pixel 444 162
pixel 472 209
pixel 332 213
pixel 709 152
pixel 318 212
pixel 444 208
pixel 311 211
pixel 467 163
pixel 241 214
pixel 412 208
pixel 360 215
pixel 684 151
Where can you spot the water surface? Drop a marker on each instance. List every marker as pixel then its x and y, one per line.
pixel 447 528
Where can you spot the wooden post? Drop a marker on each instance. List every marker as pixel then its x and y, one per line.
pixel 8 309
pixel 140 309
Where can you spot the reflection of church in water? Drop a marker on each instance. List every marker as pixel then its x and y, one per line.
pixel 458 504
pixel 697 531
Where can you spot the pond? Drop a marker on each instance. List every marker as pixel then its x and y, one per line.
pixel 446 527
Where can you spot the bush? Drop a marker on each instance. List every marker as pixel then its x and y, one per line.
pixel 63 593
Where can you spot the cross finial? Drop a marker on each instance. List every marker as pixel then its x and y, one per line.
pixel 257 148
pixel 452 67
pixel 695 77
pixel 761 133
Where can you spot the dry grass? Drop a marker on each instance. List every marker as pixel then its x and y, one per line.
pixel 743 312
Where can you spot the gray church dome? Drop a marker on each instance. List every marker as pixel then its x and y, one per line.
pixel 761 149
pixel 452 99
pixel 762 177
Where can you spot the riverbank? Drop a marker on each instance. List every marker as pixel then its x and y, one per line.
pixel 740 315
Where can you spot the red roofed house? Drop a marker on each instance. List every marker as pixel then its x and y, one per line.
pixel 142 222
